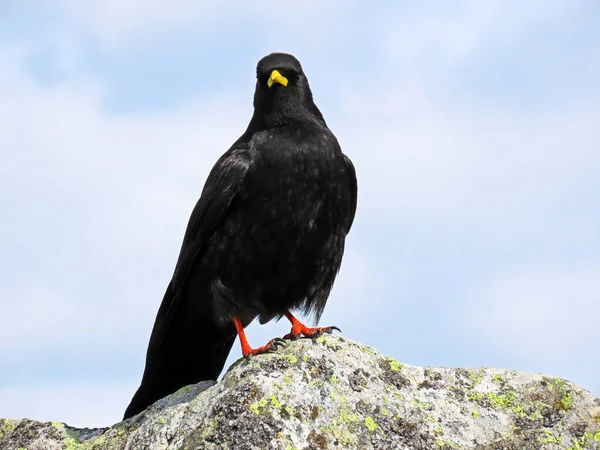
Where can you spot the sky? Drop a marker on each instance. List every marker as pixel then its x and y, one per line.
pixel 474 128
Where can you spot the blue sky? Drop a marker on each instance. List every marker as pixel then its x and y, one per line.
pixel 474 128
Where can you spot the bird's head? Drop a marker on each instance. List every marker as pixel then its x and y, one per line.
pixel 282 91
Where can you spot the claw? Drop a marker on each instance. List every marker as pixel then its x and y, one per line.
pixel 279 342
pixel 314 333
pixel 270 347
pixel 291 336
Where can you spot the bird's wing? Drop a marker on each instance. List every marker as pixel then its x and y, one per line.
pixel 220 189
pixel 353 191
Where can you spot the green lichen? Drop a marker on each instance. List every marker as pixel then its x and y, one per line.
pixel 395 365
pixel 275 401
pixel 342 435
pixel 367 350
pixel 212 423
pixel 342 426
pixel 474 396
pixel 71 443
pixel 566 402
pixel 442 443
pixel 548 437
pixel 420 404
pixel 258 405
pixel 346 416
pixel 370 424
pixel 6 427
pixel 290 358
pixel 161 420
pixel 211 426
pixel 321 340
pixel 334 380
pixel 287 380
pixel 183 390
pixel 584 441
pixel 384 412
pixel 475 377
pixel 475 414
pixel 501 400
pixel 498 379
pixel 430 419
pixel 305 358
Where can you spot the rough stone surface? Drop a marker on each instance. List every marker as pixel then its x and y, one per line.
pixel 333 393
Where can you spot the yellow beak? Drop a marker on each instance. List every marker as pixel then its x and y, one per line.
pixel 276 77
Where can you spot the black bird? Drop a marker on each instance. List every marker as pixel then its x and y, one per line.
pixel 267 236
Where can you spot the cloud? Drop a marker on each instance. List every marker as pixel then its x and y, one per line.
pixel 539 312
pixel 79 404
pixel 130 22
pixel 455 31
pixel 465 164
pixel 85 187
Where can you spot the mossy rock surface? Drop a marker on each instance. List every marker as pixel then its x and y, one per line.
pixel 333 393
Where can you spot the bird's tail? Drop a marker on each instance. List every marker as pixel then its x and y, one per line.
pixel 186 347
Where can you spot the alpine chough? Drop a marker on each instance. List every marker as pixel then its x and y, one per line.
pixel 266 237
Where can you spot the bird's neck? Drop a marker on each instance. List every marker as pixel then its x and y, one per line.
pixel 264 120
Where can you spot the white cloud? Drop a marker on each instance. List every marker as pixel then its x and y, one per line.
pixel 539 313
pixel 97 202
pixel 115 22
pixel 78 404
pixel 456 30
pixel 418 159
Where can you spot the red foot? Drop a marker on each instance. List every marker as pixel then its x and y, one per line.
pixel 299 329
pixel 248 351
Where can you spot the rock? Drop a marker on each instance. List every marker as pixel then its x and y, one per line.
pixel 333 393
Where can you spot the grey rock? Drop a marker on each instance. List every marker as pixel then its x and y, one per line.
pixel 333 393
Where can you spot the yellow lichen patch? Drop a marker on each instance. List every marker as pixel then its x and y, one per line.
pixel 395 365
pixel 448 444
pixel 501 400
pixel 257 406
pixel 370 424
pixel 566 402
pixel 548 437
pixel 474 396
pixel 290 358
pixel 419 404
pixel 6 427
pixel 275 401
pixel 475 377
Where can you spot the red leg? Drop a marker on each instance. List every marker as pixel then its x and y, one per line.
pixel 299 329
pixel 248 351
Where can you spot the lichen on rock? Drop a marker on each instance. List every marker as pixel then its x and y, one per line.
pixel 333 393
